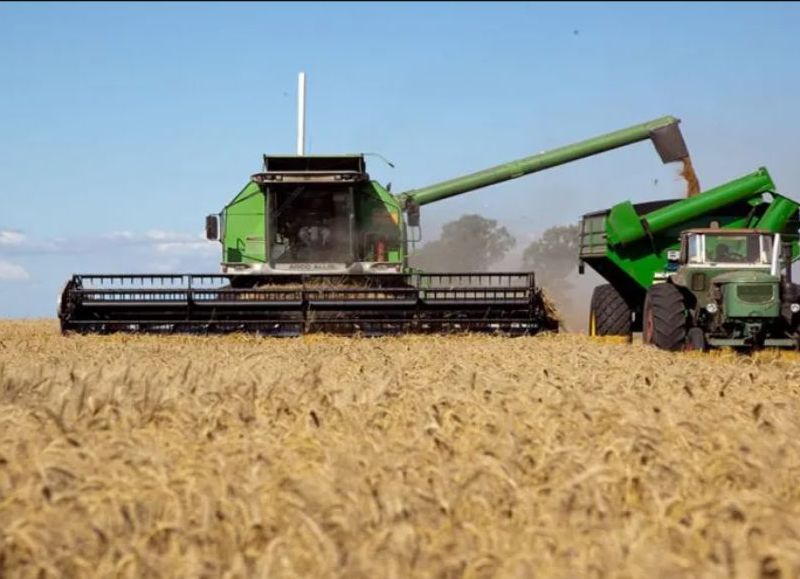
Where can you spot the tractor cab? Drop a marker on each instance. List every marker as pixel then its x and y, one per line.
pixel 733 271
pixel 732 284
pixel 727 249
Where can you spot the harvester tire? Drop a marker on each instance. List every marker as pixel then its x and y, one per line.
pixel 609 313
pixel 664 323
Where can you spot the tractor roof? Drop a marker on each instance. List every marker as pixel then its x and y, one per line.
pixel 729 231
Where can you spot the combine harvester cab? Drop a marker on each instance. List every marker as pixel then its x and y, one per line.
pixel 707 271
pixel 312 244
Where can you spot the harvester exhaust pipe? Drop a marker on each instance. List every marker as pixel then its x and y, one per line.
pixel 301 114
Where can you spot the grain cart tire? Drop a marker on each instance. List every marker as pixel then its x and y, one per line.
pixel 609 313
pixel 664 323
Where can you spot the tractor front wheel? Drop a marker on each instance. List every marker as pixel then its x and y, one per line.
pixel 695 340
pixel 609 314
pixel 664 323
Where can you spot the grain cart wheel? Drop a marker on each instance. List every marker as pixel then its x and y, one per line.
pixel 664 317
pixel 609 314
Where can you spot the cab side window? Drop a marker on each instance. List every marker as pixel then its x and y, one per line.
pixel 694 251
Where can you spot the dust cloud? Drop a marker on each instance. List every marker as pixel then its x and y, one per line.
pixel 573 305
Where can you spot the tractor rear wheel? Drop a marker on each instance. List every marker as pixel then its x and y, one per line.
pixel 665 317
pixel 609 313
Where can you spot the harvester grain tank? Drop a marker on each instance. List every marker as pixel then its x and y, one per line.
pixel 311 243
pixel 710 270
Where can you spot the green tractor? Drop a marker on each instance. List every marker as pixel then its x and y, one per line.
pixel 730 288
pixel 707 271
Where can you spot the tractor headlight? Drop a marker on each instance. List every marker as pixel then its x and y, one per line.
pixel 712 308
pixel 794 308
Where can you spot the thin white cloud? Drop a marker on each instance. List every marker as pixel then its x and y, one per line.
pixel 12 272
pixel 187 247
pixel 11 238
pixel 157 235
pixel 16 242
pixel 173 242
pixel 117 235
pixel 156 242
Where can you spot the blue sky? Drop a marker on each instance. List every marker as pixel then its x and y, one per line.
pixel 123 125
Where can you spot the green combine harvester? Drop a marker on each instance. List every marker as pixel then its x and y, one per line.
pixel 710 270
pixel 312 244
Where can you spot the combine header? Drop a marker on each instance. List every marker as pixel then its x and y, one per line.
pixel 290 304
pixel 311 244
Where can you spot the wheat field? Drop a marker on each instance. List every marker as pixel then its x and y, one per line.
pixel 238 456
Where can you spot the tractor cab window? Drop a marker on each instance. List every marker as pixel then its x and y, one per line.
pixel 745 249
pixel 694 249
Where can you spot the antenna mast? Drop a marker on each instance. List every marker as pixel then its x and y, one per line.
pixel 301 114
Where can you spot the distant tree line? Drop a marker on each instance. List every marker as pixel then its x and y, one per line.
pixel 474 243
pixel 469 244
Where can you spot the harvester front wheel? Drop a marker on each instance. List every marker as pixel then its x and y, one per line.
pixel 665 317
pixel 609 313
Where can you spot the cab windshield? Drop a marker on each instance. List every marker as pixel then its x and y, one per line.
pixel 729 249
pixel 311 226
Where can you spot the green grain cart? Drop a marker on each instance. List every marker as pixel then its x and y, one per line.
pixel 709 270
pixel 311 243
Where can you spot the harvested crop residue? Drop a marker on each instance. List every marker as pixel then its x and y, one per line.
pixel 552 456
pixel 553 316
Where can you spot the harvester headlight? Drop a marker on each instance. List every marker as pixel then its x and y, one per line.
pixel 712 308
pixel 794 308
